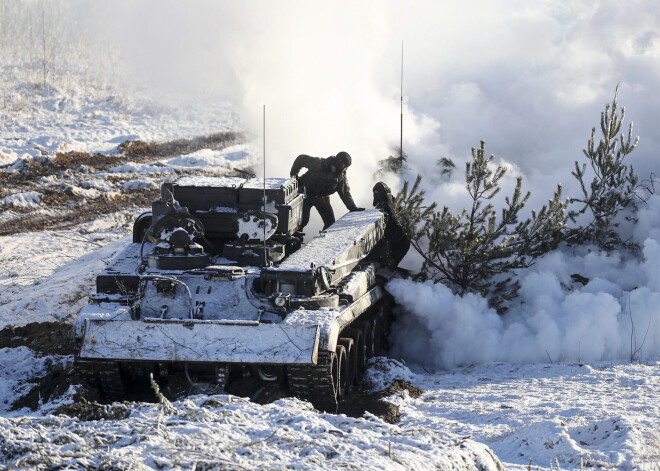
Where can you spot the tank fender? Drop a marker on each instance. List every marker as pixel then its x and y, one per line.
pixel 99 311
pixel 332 321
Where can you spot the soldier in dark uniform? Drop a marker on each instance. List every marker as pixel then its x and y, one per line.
pixel 395 243
pixel 324 177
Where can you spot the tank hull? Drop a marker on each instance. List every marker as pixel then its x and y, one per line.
pixel 309 322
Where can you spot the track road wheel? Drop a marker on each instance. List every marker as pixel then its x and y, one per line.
pixel 342 373
pixel 351 351
pixel 360 357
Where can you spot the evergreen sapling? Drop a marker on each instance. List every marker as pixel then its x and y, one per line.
pixel 392 164
pixel 612 188
pixel 474 251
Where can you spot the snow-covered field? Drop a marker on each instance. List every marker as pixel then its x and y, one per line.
pixel 227 432
pixel 569 380
pixel 565 414
pixel 570 416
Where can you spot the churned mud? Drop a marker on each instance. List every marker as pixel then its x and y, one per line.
pixel 45 338
pixel 91 407
pixel 375 402
pixel 55 384
pixel 51 339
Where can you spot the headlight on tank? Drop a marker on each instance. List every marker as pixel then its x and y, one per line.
pixel 282 300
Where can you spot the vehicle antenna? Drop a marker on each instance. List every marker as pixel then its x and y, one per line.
pixel 265 253
pixel 401 128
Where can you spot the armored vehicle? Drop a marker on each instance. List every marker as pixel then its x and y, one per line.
pixel 217 284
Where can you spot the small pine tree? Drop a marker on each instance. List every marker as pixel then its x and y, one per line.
pixel 474 251
pixel 411 213
pixel 613 186
pixel 447 166
pixel 392 164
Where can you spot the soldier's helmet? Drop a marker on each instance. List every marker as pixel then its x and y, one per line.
pixel 382 193
pixel 343 159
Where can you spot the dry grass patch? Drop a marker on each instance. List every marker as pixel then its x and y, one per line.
pixel 75 159
pixel 69 210
pixel 141 149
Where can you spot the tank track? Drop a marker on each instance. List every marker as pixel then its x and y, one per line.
pixel 315 383
pixel 111 381
pixel 105 376
pixel 337 374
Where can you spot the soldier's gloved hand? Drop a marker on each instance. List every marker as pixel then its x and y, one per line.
pixel 357 209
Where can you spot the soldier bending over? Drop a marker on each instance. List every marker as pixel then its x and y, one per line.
pixel 324 177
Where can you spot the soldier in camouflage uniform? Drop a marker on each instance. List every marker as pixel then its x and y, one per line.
pixel 324 177
pixel 395 243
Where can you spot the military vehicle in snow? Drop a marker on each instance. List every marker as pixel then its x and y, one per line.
pixel 217 284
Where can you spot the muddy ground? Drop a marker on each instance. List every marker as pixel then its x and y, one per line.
pixel 58 178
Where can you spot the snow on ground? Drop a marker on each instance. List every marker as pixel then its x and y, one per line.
pixel 48 275
pixel 227 158
pixel 140 184
pixel 54 120
pixel 567 416
pixel 30 257
pixel 62 295
pixel 223 160
pixel 27 199
pixel 17 365
pixel 602 415
pixel 560 413
pixel 232 433
pixel 570 414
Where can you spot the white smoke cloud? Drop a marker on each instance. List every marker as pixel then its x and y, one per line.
pixel 614 316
